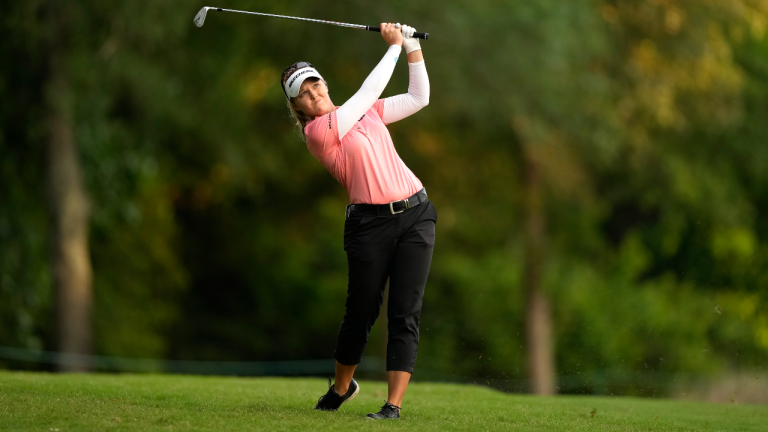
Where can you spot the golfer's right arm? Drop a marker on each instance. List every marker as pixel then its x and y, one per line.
pixel 349 113
pixel 401 106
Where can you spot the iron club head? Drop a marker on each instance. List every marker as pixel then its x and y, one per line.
pixel 200 17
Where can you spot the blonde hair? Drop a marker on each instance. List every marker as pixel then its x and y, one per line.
pixel 299 118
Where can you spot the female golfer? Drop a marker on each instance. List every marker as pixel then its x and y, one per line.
pixel 390 224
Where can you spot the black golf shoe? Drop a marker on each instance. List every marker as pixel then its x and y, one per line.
pixel 388 411
pixel 331 401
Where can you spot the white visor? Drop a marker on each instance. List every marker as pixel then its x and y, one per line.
pixel 293 83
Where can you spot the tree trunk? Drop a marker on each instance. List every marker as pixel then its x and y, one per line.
pixel 69 212
pixel 538 316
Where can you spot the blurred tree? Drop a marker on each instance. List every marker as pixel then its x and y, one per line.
pixel 88 82
pixel 536 79
pixel 538 311
pixel 67 198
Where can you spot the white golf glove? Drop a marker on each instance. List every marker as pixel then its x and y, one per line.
pixel 410 43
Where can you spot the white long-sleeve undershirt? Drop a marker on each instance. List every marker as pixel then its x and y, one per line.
pixel 395 107
pixel 401 106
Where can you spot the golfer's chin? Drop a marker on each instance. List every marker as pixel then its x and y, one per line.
pixel 322 108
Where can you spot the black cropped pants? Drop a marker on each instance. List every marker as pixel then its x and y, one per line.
pixel 398 247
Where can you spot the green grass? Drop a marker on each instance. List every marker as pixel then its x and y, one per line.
pixel 45 402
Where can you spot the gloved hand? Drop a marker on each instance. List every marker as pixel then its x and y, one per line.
pixel 410 43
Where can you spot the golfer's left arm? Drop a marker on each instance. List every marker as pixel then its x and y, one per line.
pixel 401 106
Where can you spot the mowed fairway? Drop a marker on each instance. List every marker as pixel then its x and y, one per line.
pixel 49 402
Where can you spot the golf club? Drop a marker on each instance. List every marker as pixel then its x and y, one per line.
pixel 200 20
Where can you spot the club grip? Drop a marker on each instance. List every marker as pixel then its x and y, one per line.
pixel 417 35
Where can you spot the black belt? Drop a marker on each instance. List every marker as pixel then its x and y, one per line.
pixel 394 207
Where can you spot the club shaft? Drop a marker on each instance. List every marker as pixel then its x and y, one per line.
pixel 418 35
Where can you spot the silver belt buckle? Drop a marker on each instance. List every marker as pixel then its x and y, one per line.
pixel 407 206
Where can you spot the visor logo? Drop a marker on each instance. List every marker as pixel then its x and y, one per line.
pixel 290 84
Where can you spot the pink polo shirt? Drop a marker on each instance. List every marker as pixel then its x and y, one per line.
pixel 365 161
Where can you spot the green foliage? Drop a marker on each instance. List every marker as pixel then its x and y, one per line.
pixel 216 235
pixel 26 294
